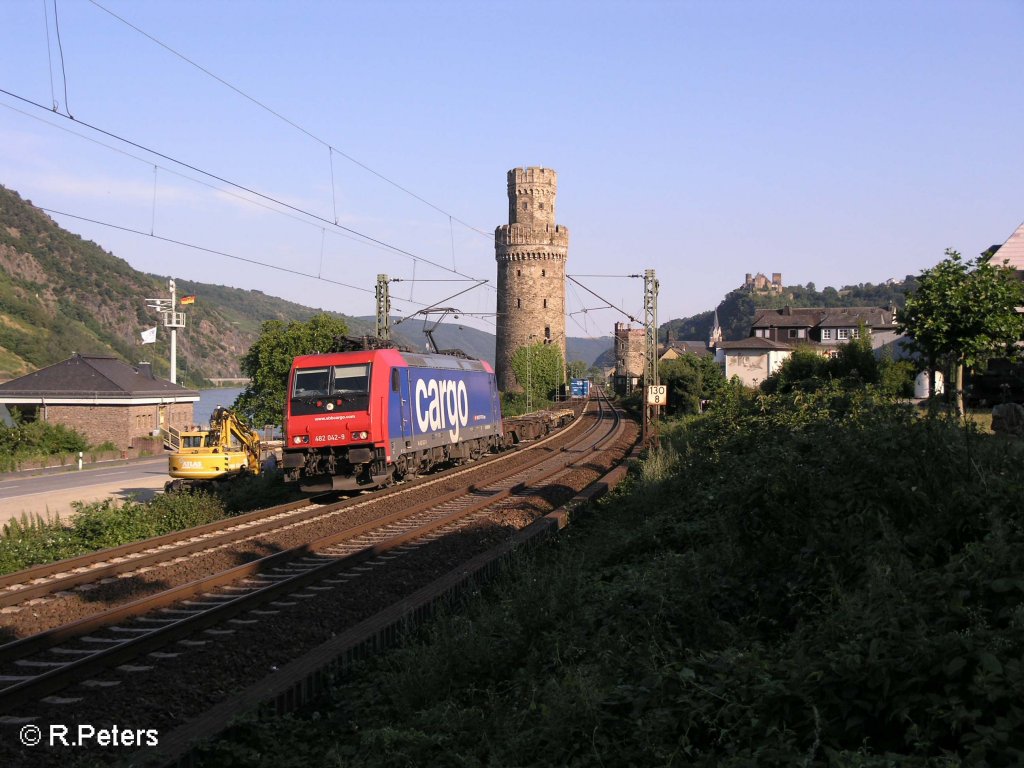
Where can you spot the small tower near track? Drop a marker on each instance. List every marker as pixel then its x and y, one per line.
pixel 531 251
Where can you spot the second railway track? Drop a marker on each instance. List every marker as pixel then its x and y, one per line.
pixel 122 572
pixel 37 666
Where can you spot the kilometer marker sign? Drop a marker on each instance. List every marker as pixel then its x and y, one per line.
pixel 657 395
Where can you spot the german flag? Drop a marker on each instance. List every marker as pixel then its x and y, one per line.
pixel 188 300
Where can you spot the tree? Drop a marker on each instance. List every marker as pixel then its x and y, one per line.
pixel 577 369
pixel 539 370
pixel 269 360
pixel 690 379
pixel 964 311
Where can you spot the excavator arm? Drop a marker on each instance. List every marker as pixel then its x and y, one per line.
pixel 230 449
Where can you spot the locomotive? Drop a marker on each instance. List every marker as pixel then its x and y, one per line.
pixel 362 419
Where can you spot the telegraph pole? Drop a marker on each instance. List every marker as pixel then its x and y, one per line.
pixel 651 337
pixel 383 308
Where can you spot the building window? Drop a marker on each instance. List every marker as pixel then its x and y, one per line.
pixel 855 333
pixel 761 333
pixel 826 334
pixel 842 334
pixel 797 333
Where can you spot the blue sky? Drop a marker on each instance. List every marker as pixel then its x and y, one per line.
pixel 835 142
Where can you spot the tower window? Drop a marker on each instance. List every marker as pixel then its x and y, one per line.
pixel 519 273
pixel 543 273
pixel 540 206
pixel 547 328
pixel 525 206
pixel 519 303
pixel 545 303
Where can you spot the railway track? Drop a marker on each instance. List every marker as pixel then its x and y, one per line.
pixel 164 625
pixel 61 577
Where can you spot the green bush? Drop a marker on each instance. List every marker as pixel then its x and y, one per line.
pixel 806 579
pixel 37 439
pixel 100 525
pixel 248 493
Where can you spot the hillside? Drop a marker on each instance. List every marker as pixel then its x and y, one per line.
pixel 61 294
pixel 736 310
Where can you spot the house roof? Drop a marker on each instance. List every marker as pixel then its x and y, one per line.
pixel 851 317
pixel 1012 251
pixel 823 317
pixel 680 348
pixel 753 342
pixel 94 378
pixel 788 317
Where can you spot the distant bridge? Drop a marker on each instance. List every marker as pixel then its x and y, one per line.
pixel 238 382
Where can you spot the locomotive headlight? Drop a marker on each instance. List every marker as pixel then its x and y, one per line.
pixel 300 439
pixel 329 406
pixel 360 435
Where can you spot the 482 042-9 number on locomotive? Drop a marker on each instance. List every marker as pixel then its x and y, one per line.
pixel 363 419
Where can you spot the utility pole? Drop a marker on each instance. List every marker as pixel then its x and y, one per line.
pixel 651 338
pixel 172 320
pixel 383 308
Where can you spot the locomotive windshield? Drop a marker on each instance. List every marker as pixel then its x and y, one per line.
pixel 341 387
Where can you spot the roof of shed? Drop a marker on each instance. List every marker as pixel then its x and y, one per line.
pixel 93 376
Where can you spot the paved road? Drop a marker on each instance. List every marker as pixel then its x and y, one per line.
pixel 52 494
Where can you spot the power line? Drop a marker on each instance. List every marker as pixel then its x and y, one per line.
pixel 241 187
pixel 290 122
pixel 204 249
pixel 278 267
pixel 208 185
pixel 608 303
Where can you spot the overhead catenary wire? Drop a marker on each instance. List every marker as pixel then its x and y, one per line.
pixel 49 55
pixel 208 185
pixel 287 120
pixel 204 249
pixel 602 298
pixel 242 187
pixel 60 48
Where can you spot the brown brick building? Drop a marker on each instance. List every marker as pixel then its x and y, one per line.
pixel 101 397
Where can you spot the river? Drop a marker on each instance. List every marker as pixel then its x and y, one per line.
pixel 210 399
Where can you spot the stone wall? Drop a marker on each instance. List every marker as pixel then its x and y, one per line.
pixel 531 252
pixel 122 425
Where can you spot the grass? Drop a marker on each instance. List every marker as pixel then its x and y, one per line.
pixel 808 580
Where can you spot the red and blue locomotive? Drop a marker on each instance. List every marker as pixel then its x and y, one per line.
pixel 363 419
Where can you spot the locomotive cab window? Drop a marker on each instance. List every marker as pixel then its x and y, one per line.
pixel 311 382
pixel 394 380
pixel 351 379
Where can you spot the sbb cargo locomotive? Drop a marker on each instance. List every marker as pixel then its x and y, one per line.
pixel 362 419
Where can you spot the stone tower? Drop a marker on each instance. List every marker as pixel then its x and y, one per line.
pixel 531 251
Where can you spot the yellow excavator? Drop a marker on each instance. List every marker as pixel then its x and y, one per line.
pixel 227 450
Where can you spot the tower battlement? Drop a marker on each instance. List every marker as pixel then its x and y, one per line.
pixel 520 234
